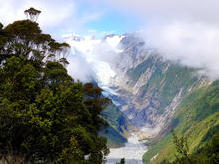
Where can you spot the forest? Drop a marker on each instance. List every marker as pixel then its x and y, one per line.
pixel 45 115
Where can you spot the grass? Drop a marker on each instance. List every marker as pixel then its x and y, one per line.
pixel 197 119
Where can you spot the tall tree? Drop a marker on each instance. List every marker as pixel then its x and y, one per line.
pixel 44 114
pixel 32 13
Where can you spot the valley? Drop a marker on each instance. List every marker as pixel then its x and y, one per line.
pixel 146 91
pixel 132 152
pixel 109 82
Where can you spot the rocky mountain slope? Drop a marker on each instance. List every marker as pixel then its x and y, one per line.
pixel 196 119
pixel 146 89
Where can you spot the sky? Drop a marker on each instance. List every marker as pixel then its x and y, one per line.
pixel 83 17
pixel 186 31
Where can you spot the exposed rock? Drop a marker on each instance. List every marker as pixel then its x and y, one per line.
pixel 150 88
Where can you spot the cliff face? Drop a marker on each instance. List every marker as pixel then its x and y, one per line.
pixel 143 85
pixel 148 88
pixel 196 119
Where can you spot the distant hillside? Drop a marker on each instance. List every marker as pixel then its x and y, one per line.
pixel 145 86
pixel 149 87
pixel 151 94
pixel 117 126
pixel 197 119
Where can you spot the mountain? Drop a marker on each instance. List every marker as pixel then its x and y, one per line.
pixel 117 126
pixel 91 50
pixel 149 92
pixel 196 119
pixel 149 87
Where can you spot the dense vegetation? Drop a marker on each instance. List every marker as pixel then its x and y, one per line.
pixel 117 126
pixel 45 116
pixel 196 137
pixel 167 80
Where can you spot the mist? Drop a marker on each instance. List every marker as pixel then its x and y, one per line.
pixel 91 58
pixel 80 69
pixel 183 31
pixel 193 45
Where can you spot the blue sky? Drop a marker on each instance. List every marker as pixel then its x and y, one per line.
pixel 119 16
pixel 185 30
pixel 104 18
pixel 73 16
pixel 111 19
pixel 114 22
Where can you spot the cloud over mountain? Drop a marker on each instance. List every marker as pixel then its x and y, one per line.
pixel 185 31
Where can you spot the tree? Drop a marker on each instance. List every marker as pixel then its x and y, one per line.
pixel 182 148
pixel 122 161
pixel 44 114
pixel 32 13
pixel 207 154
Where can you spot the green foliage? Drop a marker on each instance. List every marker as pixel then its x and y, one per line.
pixel 135 73
pixel 117 126
pixel 209 154
pixel 182 148
pixel 157 146
pixel 32 13
pixel 197 120
pixel 166 80
pixel 176 78
pixel 122 161
pixel 45 116
pixel 114 138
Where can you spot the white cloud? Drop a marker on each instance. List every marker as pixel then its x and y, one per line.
pixel 182 30
pixel 90 17
pixel 92 58
pixel 57 17
pixel 9 12
pixel 194 45
pixel 53 12
pixel 163 10
pixel 80 69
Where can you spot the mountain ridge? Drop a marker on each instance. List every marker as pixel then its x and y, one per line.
pixel 144 86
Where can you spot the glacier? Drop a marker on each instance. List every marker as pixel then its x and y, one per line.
pixel 145 87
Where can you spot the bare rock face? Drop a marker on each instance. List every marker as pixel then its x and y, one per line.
pixel 148 87
pixel 143 85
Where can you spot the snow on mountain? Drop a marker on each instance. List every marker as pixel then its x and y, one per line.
pixel 146 87
pixel 114 41
pixel 137 77
pixel 97 53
